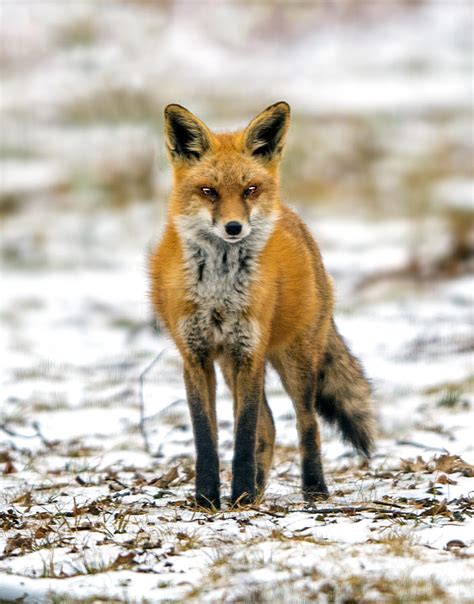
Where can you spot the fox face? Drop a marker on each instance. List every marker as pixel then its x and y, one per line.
pixel 225 184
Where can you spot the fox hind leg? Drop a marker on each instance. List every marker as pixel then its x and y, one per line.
pixel 298 375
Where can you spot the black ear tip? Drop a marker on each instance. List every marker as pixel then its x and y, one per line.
pixel 174 108
pixel 283 105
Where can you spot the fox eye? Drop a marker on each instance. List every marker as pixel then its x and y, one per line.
pixel 209 192
pixel 249 190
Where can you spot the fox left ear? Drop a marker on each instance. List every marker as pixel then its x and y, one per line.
pixel 265 136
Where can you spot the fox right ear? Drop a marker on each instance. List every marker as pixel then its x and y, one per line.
pixel 187 138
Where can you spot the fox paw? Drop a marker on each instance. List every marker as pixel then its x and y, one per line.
pixel 315 493
pixel 244 497
pixel 210 502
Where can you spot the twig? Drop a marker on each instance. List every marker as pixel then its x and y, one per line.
pixel 412 443
pixel 348 509
pixel 165 437
pixel 389 504
pixel 159 413
pixel 143 375
pixel 267 512
pixel 37 434
pixel 40 435
pixel 11 432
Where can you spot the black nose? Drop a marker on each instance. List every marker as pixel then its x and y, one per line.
pixel 233 227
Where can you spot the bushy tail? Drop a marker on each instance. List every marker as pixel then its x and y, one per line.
pixel 344 395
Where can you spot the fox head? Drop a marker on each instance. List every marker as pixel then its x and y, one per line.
pixel 225 184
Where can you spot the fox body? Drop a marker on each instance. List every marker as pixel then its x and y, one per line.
pixel 238 279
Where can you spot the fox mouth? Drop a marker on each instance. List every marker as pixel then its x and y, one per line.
pixel 234 238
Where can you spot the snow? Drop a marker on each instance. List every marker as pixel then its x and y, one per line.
pixel 457 194
pixel 23 178
pixel 86 340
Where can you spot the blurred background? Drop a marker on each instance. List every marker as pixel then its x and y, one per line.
pixel 379 162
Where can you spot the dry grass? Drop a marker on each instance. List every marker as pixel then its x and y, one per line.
pixel 112 106
pixel 357 589
pixel 78 32
pixel 399 540
pixel 119 181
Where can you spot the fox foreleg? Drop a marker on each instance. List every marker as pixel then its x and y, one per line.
pixel 200 389
pixel 247 401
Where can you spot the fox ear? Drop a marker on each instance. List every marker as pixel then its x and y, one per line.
pixel 187 138
pixel 265 135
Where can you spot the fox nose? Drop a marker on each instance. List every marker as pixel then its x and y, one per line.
pixel 233 227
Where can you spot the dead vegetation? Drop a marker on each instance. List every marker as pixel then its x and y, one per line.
pixel 78 32
pixel 129 520
pixel 113 106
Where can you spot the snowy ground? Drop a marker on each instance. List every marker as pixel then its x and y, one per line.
pixel 86 511
pixel 382 142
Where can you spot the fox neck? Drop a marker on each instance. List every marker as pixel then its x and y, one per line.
pixel 218 271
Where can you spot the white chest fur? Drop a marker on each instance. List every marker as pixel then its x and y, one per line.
pixel 219 276
pixel 218 282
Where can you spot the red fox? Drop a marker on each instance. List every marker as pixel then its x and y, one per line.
pixel 238 279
